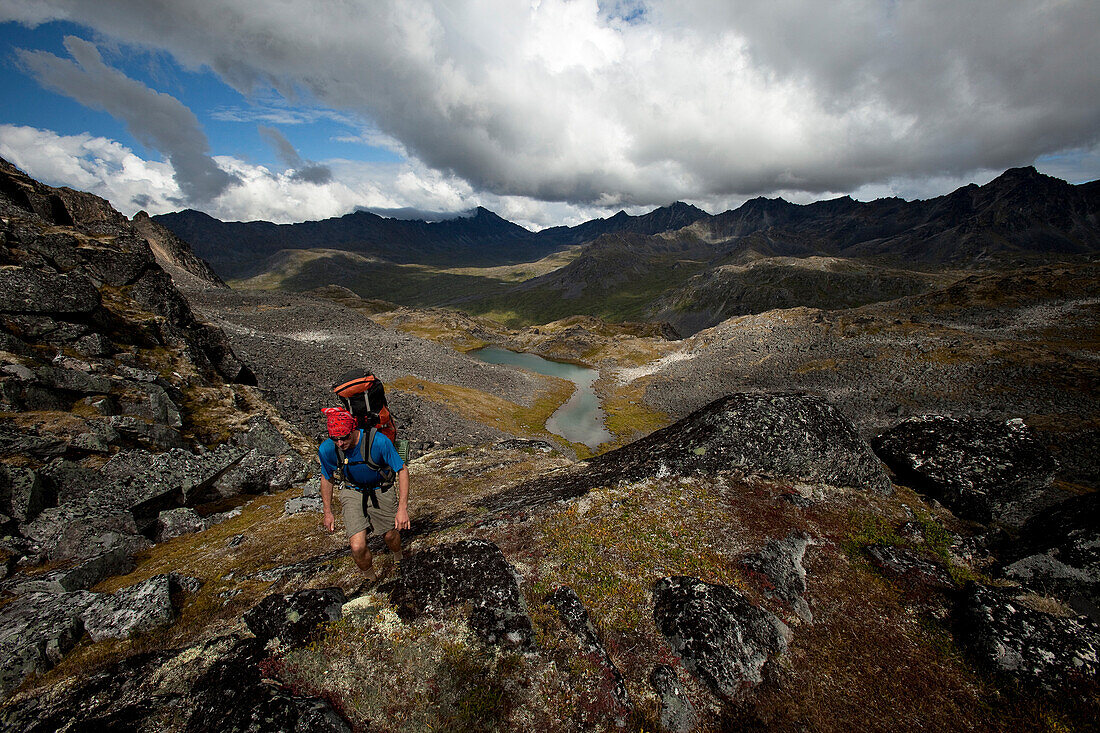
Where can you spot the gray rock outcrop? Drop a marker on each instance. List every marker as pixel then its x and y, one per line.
pixel 1058 553
pixel 723 639
pixel 981 469
pixel 575 617
pixel 780 562
pixel 78 576
pixel 141 607
pixel 40 627
pixel 36 631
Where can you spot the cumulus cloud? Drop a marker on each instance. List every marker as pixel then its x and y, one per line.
pixel 94 164
pixel 303 170
pixel 642 103
pixel 157 120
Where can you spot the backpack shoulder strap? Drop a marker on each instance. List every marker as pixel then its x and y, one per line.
pixel 365 447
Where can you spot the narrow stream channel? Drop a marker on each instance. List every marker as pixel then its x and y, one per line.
pixel 580 419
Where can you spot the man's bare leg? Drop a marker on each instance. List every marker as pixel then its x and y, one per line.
pixel 393 541
pixel 362 555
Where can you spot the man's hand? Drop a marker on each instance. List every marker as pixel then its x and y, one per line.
pixel 329 521
pixel 401 521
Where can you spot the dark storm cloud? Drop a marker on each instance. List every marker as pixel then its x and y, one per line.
pixel 158 120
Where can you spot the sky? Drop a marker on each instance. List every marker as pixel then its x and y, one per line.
pixel 547 112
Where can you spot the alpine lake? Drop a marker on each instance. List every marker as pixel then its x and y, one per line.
pixel 580 419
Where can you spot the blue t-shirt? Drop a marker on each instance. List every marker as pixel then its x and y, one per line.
pixel 382 453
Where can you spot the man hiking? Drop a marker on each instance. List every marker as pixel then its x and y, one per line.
pixel 362 461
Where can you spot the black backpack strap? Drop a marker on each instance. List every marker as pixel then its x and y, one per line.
pixel 365 447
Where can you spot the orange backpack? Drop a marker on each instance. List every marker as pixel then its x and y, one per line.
pixel 365 398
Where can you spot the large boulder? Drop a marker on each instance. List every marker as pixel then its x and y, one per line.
pixel 79 576
pixel 787 435
pixel 470 572
pixel 723 639
pixel 982 469
pixel 172 523
pixel 82 531
pixel 23 495
pixel 1026 644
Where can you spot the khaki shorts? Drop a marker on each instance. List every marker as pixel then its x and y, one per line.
pixel 378 521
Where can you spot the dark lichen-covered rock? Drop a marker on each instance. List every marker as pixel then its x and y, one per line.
pixel 215 685
pixel 1058 552
pixel 36 631
pixel 780 561
pixel 575 617
pixel 31 290
pixel 985 470
pixel 293 617
pixel 789 435
pixel 472 572
pixel 1011 639
pixel 23 495
pixel 677 713
pixel 723 639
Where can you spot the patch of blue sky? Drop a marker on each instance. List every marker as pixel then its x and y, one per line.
pixel 631 12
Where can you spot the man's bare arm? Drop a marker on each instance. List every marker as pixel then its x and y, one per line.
pixel 326 499
pixel 401 521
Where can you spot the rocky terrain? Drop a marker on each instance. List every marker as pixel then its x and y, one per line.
pixel 882 517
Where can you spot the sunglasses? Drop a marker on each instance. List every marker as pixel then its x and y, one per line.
pixel 343 437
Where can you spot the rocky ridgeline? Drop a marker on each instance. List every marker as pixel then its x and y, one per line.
pixel 119 416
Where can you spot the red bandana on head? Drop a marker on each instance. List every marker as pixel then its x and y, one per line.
pixel 340 421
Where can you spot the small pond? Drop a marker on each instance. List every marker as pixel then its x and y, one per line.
pixel 579 420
